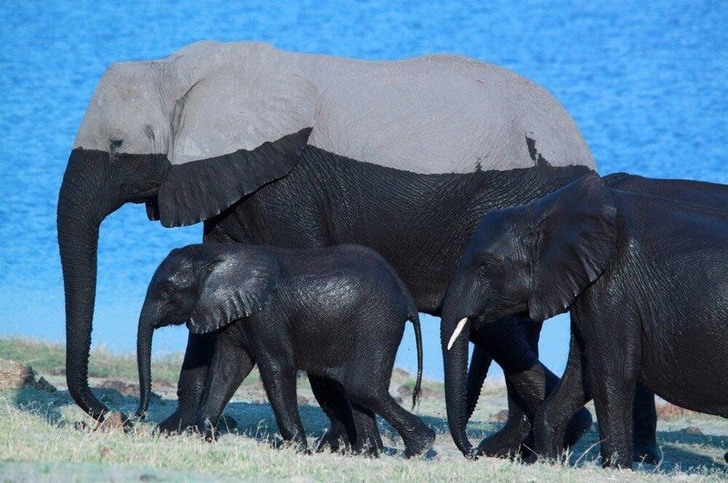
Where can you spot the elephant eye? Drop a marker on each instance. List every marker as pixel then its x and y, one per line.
pixel 166 293
pixel 115 144
pixel 486 264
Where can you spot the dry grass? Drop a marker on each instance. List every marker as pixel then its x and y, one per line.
pixel 45 437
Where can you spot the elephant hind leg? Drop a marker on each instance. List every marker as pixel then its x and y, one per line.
pixel 645 427
pixel 417 437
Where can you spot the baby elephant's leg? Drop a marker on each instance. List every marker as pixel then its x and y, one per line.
pixel 417 437
pixel 368 440
pixel 279 379
pixel 230 366
pixel 333 401
pixel 351 424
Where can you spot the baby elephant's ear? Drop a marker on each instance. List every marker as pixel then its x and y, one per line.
pixel 236 283
pixel 574 237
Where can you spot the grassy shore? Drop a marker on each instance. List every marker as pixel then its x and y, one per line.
pixel 45 437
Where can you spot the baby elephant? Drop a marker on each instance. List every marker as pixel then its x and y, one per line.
pixel 644 276
pixel 338 313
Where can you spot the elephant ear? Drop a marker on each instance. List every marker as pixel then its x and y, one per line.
pixel 235 284
pixel 244 122
pixel 574 239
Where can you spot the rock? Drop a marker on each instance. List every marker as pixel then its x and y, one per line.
pixel 43 385
pixel 404 390
pixel 302 399
pixel 121 387
pixel 500 417
pixel 14 375
pixel 691 430
pixel 163 385
pixel 113 421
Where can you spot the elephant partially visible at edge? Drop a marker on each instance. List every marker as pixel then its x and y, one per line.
pixel 489 338
pixel 301 151
pixel 337 313
pixel 640 265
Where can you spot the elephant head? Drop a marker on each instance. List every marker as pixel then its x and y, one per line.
pixel 534 259
pixel 208 287
pixel 189 135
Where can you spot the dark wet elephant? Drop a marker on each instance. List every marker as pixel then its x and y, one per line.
pixel 639 264
pixel 492 339
pixel 299 150
pixel 337 313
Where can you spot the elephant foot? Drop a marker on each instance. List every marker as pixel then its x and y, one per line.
pixel 580 423
pixel 506 443
pixel 494 448
pixel 369 445
pixel 420 445
pixel 300 447
pixel 335 442
pixel 227 424
pixel 174 424
pixel 648 453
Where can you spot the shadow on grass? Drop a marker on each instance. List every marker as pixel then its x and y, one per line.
pixel 244 419
pixel 682 451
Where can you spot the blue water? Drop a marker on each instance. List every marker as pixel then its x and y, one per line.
pixel 646 82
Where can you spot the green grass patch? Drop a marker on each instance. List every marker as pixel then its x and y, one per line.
pixel 45 436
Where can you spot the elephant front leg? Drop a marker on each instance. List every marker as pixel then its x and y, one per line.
pixel 191 385
pixel 567 398
pixel 511 438
pixel 230 366
pixel 279 381
pixel 614 390
pixel 513 343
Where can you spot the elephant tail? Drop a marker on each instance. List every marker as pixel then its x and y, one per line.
pixel 415 319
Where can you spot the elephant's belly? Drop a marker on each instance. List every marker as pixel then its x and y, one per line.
pixel 689 371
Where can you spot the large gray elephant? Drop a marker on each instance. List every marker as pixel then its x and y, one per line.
pixel 300 150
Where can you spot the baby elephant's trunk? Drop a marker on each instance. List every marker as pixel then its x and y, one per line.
pixel 144 356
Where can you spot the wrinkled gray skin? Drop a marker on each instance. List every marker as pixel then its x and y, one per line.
pixel 640 264
pixel 338 313
pixel 299 151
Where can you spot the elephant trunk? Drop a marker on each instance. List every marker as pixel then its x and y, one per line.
pixel 149 318
pixel 455 336
pixel 477 372
pixel 81 208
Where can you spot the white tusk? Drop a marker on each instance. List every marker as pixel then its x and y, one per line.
pixel 456 333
